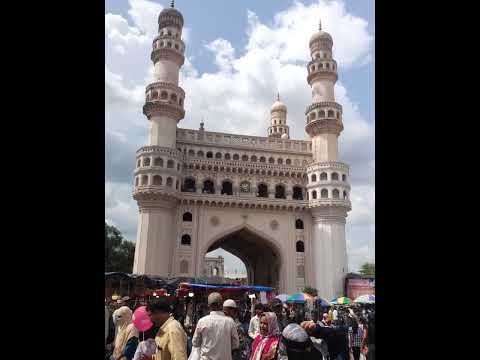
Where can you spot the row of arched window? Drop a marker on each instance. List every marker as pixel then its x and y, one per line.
pixel 324 194
pixel 322 66
pixel 318 55
pixel 234 170
pixel 158 161
pixel 165 32
pixel 275 129
pixel 156 180
pixel 237 157
pixel 324 177
pixel 164 95
pixel 168 44
pixel 322 114
pixel 262 190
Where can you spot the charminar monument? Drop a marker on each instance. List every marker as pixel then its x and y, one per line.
pixel 278 204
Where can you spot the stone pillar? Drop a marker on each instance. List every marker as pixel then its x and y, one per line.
pixel 155 239
pixel 329 250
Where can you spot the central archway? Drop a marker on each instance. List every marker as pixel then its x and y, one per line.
pixel 260 255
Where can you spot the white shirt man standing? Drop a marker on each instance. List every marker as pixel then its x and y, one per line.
pixel 216 334
pixel 254 328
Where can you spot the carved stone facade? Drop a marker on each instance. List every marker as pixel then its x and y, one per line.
pixel 214 266
pixel 278 204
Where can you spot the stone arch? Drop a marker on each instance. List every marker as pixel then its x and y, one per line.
pixel 263 261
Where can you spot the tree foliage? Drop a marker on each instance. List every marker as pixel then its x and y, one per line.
pixel 310 291
pixel 367 269
pixel 119 252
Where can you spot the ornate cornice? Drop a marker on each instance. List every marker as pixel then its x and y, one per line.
pixel 157 170
pixel 324 126
pixel 155 150
pixel 324 105
pixel 318 74
pixel 161 107
pixel 324 165
pixel 166 86
pixel 168 54
pixel 328 183
pixel 245 165
pixel 329 213
pixel 155 193
pixel 242 202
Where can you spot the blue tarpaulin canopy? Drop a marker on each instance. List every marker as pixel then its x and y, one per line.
pixel 229 286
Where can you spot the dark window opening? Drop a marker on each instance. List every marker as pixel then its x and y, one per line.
pixel 300 246
pixel 299 224
pixel 187 216
pixel 208 187
pixel 279 192
pixel 263 190
pixel 186 240
pixel 227 188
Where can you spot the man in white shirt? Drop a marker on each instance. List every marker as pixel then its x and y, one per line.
pixel 254 328
pixel 216 334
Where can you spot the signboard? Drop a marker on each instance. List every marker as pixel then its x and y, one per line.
pixel 357 287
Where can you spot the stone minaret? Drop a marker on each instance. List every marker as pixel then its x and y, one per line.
pixel 328 188
pixel 278 117
pixel 157 175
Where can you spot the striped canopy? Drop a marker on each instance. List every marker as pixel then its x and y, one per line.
pixel 365 299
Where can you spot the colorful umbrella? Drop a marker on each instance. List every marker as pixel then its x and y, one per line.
pixel 299 298
pixel 341 301
pixel 282 297
pixel 365 299
pixel 323 302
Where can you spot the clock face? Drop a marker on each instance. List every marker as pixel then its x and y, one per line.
pixel 244 187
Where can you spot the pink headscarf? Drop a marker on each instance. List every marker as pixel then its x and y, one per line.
pixel 264 345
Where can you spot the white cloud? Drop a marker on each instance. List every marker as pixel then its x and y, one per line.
pixel 237 96
pixel 286 39
pixel 144 14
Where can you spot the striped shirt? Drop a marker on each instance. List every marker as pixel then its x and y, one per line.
pixel 355 339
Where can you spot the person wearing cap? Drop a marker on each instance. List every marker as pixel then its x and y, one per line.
pixel 216 334
pixel 230 309
pixel 171 339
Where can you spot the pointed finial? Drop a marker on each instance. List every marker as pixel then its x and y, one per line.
pixel 172 4
pixel 320 25
pixel 278 96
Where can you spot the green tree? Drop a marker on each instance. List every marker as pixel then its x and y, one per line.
pixel 368 269
pixel 119 252
pixel 310 291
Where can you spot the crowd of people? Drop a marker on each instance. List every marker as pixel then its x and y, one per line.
pixel 266 332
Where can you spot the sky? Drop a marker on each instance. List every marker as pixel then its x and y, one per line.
pixel 238 55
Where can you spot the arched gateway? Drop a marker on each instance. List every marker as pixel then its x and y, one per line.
pixel 260 254
pixel 271 200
